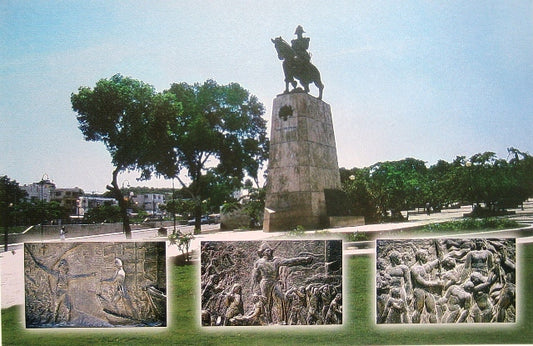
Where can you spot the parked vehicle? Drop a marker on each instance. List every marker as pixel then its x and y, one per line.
pixel 206 220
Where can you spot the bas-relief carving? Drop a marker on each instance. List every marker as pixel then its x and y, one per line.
pixel 446 281
pixel 95 284
pixel 252 283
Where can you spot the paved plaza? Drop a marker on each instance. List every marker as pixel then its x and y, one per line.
pixel 12 270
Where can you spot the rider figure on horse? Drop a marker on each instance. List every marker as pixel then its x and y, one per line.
pixel 297 62
pixel 300 46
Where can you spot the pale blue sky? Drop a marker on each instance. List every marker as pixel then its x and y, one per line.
pixel 423 79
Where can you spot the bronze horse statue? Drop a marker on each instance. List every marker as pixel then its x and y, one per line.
pixel 293 67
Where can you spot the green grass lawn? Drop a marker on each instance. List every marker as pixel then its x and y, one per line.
pixel 358 327
pixel 472 224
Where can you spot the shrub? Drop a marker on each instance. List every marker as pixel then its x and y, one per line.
pixel 357 236
pixel 297 231
pixel 182 241
pixel 469 224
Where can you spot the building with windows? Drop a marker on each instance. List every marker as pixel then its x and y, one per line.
pixel 46 191
pixel 41 191
pixel 86 203
pixel 67 197
pixel 149 202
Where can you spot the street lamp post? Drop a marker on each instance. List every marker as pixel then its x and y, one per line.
pixel 6 212
pixel 173 207
pixel 122 193
pixel 42 203
pixel 78 206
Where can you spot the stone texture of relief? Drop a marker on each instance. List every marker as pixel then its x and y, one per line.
pixel 90 284
pixel 254 283
pixel 446 281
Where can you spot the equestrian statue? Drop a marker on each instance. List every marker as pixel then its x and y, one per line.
pixel 297 63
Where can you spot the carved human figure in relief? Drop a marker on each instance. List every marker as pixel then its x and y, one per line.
pixel 458 301
pixel 396 310
pixel 118 281
pixel 334 313
pixel 119 291
pixel 480 259
pixel 423 287
pixel 62 300
pixel 482 310
pixel 256 317
pixel 266 275
pixel 234 303
pixel 399 274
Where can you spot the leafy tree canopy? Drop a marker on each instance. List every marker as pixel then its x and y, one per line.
pixel 188 128
pixel 409 183
pixel 218 139
pixel 122 113
pixel 220 125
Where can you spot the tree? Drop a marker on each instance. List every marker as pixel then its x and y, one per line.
pixel 121 112
pixel 498 183
pixel 254 204
pixel 219 131
pixel 180 206
pixel 355 183
pixel 10 195
pixel 440 184
pixel 398 185
pixel 522 165
pixel 103 213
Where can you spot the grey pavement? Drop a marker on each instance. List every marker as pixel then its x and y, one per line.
pixel 12 269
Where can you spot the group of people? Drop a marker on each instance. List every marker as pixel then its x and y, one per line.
pixel 266 296
pixel 446 281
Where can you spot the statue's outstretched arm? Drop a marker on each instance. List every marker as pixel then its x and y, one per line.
pixel 39 264
pixel 111 279
pixel 290 262
pixel 77 276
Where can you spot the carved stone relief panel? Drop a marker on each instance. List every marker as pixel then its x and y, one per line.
pixel 287 282
pixel 90 284
pixel 446 281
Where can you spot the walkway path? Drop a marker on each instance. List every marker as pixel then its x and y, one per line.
pixel 12 269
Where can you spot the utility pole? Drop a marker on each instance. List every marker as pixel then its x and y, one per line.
pixel 5 216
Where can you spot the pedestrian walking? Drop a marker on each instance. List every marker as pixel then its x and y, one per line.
pixel 62 233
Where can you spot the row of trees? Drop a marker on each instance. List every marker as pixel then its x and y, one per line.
pixel 378 192
pixel 16 209
pixel 386 188
pixel 214 134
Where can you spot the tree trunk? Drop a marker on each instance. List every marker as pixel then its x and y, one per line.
pixel 197 215
pixel 5 213
pixel 117 193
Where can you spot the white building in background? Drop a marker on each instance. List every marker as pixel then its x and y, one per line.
pixel 46 191
pixel 149 202
pixel 41 191
pixel 86 203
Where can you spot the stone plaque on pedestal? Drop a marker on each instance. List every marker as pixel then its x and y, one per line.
pixel 302 163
